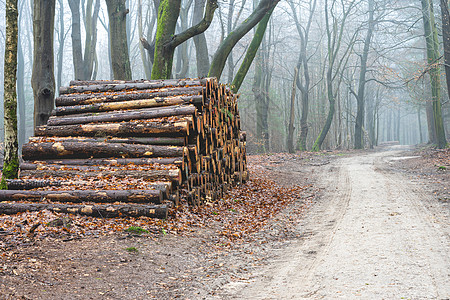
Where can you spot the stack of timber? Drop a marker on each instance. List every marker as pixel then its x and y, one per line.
pixel 131 148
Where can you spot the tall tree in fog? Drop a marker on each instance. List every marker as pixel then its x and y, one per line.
pixel 11 157
pixel 303 61
pixel 120 59
pixel 146 56
pixel 43 78
pixel 335 31
pixel 166 41
pixel 225 48
pixel 446 38
pixel 360 94
pixel 84 64
pixel 433 56
pixel 201 47
pixel 251 51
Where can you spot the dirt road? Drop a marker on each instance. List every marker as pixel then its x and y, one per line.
pixel 373 235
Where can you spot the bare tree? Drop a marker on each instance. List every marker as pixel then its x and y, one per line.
pixel 335 32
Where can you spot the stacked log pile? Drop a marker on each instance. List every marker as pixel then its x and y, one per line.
pixel 131 148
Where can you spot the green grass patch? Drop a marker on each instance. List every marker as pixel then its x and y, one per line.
pixel 136 230
pixel 132 250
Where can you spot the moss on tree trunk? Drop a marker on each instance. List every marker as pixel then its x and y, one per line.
pixel 11 159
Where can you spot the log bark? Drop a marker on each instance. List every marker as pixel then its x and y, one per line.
pixel 173 175
pixel 19 184
pixel 99 161
pixel 127 129
pixel 36 151
pixel 79 196
pixel 169 141
pixel 138 114
pixel 166 187
pixel 114 106
pixel 103 211
pixel 190 94
pixel 164 83
pixel 145 85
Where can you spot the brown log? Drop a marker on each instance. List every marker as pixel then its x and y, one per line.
pixel 126 129
pixel 137 114
pixel 167 82
pixel 168 141
pixel 174 175
pixel 19 184
pixel 103 211
pixel 191 95
pixel 129 104
pixel 128 86
pixel 78 196
pixel 99 161
pixel 36 151
pixel 56 167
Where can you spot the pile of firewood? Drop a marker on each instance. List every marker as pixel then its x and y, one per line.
pixel 131 148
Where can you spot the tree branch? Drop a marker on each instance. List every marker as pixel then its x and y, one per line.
pixel 180 38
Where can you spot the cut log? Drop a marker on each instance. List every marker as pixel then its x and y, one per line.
pixel 172 141
pixel 174 175
pixel 190 95
pixel 170 82
pixel 130 104
pixel 99 196
pixel 18 184
pixel 36 151
pixel 126 129
pixel 98 161
pixel 103 211
pixel 136 114
pixel 127 86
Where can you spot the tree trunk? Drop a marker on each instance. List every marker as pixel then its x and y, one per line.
pixel 46 150
pixel 79 196
pixel 173 175
pixel 102 161
pixel 432 57
pixel 132 104
pixel 166 41
pixel 22 132
pixel 221 55
pixel 43 78
pixel 201 47
pixel 99 98
pixel 91 39
pixel 117 14
pixel 291 128
pixel 360 101
pixel 251 52
pixel 446 39
pixel 326 127
pixel 145 60
pixel 61 38
pixel 127 115
pixel 11 157
pixel 103 211
pixel 77 50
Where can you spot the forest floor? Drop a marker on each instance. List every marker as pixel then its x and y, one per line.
pixel 367 225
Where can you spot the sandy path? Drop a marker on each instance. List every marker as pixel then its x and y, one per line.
pixel 370 237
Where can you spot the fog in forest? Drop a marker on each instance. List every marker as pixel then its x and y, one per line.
pixel 322 66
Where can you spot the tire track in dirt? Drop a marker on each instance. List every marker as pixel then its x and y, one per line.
pixel 369 237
